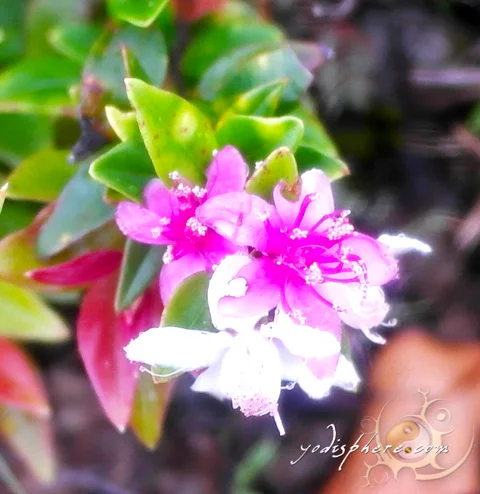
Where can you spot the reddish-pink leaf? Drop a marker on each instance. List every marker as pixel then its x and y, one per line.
pixel 102 335
pixel 81 270
pixel 20 383
pixel 191 10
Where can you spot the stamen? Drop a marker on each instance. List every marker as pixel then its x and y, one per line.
pixel 174 176
pixel 297 233
pixel 199 192
pixel 314 275
pixel 156 231
pixel 195 227
pixel 307 200
pixel 168 255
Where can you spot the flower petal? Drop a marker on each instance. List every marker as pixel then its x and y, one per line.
pixel 140 224
pixel 381 266
pixel 227 173
pixel 239 217
pixel 251 374
pixel 314 183
pixel 305 306
pixel 209 381
pixel 302 340
pixel 173 273
pixel 358 308
pixel 158 198
pixel 317 376
pixel 346 376
pixel 221 284
pixel 259 290
pixel 178 348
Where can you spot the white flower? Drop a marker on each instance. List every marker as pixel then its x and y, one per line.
pixel 243 363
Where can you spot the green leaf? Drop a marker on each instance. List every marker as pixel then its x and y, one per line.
pixel 124 124
pixel 79 211
pixel 131 65
pixel 3 195
pixel 41 177
pixel 12 16
pixel 126 169
pixel 280 165
pixel 267 66
pixel 24 316
pixel 311 157
pixel 141 264
pixel 32 439
pixel 315 134
pixel 16 215
pixel 261 101
pixel 139 12
pixel 257 137
pixel 74 40
pixel 219 39
pixel 225 68
pixel 14 147
pixel 44 15
pixel 38 85
pixel 149 410
pixel 105 64
pixel 188 308
pixel 177 135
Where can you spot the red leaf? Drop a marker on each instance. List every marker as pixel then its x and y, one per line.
pixel 191 10
pixel 102 335
pixel 20 383
pixel 81 270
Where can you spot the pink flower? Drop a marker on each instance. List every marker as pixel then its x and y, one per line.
pixel 169 218
pixel 306 258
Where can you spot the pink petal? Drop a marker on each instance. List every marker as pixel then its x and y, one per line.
pixel 157 198
pixel 313 182
pixel 215 248
pixel 81 270
pixel 227 173
pixel 309 309
pixel 239 217
pixel 140 224
pixel 262 291
pixel 381 266
pixel 173 273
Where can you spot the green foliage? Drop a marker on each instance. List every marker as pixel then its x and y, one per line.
pixel 188 308
pixel 140 266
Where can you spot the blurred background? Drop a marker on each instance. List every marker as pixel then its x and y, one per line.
pixel 398 90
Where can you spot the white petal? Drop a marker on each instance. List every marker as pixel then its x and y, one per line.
pixel 251 374
pixel 178 348
pixel 401 244
pixel 363 310
pixel 221 285
pixel 209 381
pixel 314 387
pixel 373 336
pixel 302 340
pixel 346 376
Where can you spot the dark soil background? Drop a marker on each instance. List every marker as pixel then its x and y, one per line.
pixel 396 95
